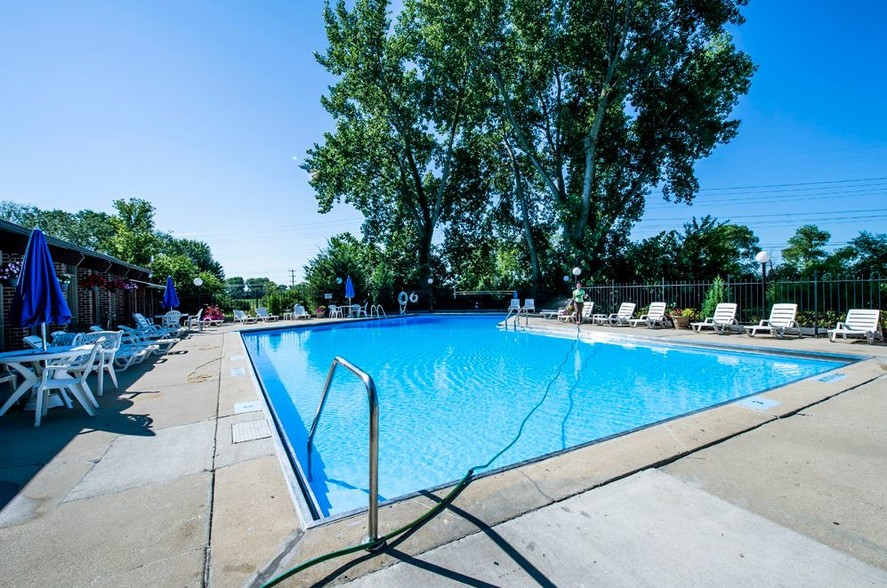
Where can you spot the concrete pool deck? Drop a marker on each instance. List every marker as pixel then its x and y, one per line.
pixel 154 491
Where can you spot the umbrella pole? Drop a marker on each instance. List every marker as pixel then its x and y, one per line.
pixel 43 334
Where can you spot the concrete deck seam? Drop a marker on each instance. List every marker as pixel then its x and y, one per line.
pixel 535 484
pixel 272 568
pixel 207 550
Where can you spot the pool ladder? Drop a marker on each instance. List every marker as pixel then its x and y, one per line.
pixel 516 312
pixel 377 311
pixel 373 523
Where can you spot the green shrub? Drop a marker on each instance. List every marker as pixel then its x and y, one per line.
pixel 717 293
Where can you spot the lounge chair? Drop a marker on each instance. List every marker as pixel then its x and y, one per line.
pixel 655 316
pixel 722 322
pixel 529 306
pixel 145 339
pixel 514 305
pixel 264 316
pixel 587 309
pixel 299 312
pixel 860 322
pixel 621 317
pixel 243 318
pixel 549 313
pixel 781 322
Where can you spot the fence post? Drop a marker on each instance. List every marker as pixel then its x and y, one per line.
pixel 816 303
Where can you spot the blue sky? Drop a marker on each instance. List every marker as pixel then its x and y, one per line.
pixel 200 107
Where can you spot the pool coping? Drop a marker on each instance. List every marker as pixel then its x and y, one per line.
pixel 505 494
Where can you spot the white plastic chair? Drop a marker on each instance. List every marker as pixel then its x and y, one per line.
pixel 243 318
pixel 655 316
pixel 621 317
pixel 263 315
pixel 529 305
pixel 722 321
pixel 69 374
pixel 335 311
pixel 781 322
pixel 860 322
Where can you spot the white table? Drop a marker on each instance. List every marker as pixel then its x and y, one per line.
pixel 26 362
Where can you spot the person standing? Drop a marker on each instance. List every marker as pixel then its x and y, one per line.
pixel 579 297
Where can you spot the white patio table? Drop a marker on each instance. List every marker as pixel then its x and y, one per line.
pixel 26 363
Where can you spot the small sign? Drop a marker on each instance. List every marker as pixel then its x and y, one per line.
pixel 328 296
pixel 833 377
pixel 758 403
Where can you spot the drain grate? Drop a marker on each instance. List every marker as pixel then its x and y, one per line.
pixel 250 431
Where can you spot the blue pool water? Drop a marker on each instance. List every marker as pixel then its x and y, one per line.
pixel 453 391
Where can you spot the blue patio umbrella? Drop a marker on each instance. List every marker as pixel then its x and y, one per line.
pixel 38 297
pixel 349 290
pixel 170 298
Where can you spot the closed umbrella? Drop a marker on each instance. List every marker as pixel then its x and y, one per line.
pixel 170 298
pixel 38 297
pixel 349 290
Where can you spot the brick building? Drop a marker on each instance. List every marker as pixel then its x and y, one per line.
pixel 100 289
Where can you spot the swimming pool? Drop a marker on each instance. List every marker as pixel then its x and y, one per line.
pixel 454 391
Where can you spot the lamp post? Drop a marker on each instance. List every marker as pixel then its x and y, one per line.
pixel 763 257
pixel 430 295
pixel 198 281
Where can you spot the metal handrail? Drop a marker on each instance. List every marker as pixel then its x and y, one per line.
pixel 373 524
pixel 516 311
pixel 378 311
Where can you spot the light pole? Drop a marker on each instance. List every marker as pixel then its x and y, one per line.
pixel 430 295
pixel 198 281
pixel 763 257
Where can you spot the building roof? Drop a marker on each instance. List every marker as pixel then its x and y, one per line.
pixel 14 239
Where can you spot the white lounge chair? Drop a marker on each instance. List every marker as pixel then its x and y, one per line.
pixel 549 313
pixel 514 305
pixel 655 316
pixel 243 318
pixel 587 309
pixel 860 322
pixel 264 316
pixel 781 322
pixel 722 322
pixel 299 312
pixel 621 317
pixel 529 305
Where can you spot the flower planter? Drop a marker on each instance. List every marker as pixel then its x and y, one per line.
pixel 320 313
pixel 680 321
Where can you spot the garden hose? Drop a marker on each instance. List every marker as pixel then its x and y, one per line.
pixel 380 542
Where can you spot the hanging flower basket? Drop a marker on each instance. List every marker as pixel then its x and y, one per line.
pixel 93 281
pixel 9 272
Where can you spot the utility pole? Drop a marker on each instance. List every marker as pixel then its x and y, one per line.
pixel 292 278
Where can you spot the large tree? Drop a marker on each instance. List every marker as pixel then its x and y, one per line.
pixel 608 98
pixel 406 97
pixel 806 251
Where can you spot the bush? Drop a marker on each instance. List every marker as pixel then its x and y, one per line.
pixel 715 294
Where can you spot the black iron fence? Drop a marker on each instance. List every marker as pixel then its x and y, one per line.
pixel 822 301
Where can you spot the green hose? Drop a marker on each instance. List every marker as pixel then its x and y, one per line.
pixel 430 513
